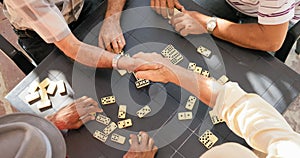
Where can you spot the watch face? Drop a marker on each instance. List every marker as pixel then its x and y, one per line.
pixel 211 26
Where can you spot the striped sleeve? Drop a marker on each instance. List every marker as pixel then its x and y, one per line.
pixel 272 12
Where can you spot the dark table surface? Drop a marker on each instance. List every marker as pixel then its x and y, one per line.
pixel 255 71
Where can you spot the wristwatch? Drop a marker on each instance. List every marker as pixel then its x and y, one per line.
pixel 211 24
pixel 115 61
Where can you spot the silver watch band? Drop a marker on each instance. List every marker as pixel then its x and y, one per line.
pixel 115 61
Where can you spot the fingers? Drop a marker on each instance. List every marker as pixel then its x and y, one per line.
pixel 151 143
pixel 89 102
pixel 179 26
pixel 157 6
pixel 115 45
pixel 163 8
pixel 123 42
pixel 178 6
pixel 152 4
pixel 178 18
pixel 80 99
pixel 184 32
pixel 100 42
pixel 170 4
pixel 144 139
pixel 107 44
pixel 155 148
pixel 134 140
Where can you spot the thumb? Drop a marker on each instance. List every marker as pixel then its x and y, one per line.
pixel 179 6
pixel 144 74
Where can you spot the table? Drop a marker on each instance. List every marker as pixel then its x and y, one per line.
pixel 255 71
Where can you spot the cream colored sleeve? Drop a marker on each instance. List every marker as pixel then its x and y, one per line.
pixel 255 120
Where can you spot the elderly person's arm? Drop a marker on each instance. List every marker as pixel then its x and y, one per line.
pixel 266 37
pixel 248 115
pixel 75 114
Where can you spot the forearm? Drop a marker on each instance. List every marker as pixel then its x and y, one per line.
pixel 206 89
pixel 251 35
pixel 115 7
pixel 85 54
pixel 252 118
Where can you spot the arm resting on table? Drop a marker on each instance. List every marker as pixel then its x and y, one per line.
pixel 252 118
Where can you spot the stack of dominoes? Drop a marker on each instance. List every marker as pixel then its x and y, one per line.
pixel 204 51
pixel 172 54
pixel 41 91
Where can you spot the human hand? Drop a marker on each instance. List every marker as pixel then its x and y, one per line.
pixel 165 73
pixel 110 36
pixel 161 6
pixel 75 114
pixel 131 64
pixel 186 23
pixel 143 149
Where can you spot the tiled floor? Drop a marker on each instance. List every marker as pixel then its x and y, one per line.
pixel 9 80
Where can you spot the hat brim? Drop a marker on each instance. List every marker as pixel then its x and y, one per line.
pixel 54 135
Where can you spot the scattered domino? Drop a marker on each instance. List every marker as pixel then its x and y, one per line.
pixel 122 72
pixel 100 136
pixel 44 104
pixel 122 111
pixel 44 83
pixel 43 94
pixel 142 83
pixel 33 87
pixel 223 79
pixel 118 138
pixel 103 119
pixel 108 100
pixel 205 73
pixel 172 54
pixel 192 66
pixel 185 116
pixel 208 139
pixel 51 88
pixel 204 51
pixel 190 103
pixel 30 98
pixel 143 111
pixel 139 139
pixel 215 119
pixel 61 87
pixel 110 128
pixel 198 69
pixel 125 123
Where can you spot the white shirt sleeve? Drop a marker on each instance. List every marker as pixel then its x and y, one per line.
pixel 255 120
pixel 41 16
